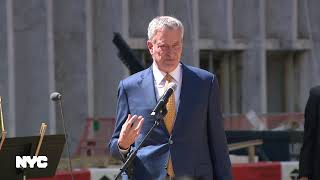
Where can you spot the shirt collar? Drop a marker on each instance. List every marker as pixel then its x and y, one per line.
pixel 159 75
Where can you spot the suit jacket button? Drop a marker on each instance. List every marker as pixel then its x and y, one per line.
pixel 170 141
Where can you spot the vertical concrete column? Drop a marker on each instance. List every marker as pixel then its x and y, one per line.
pixel 308 61
pixel 314 31
pixel 138 19
pixel 282 20
pixel 11 73
pixel 249 22
pixel 187 12
pixel 89 8
pixel 216 21
pixel 302 20
pixel 51 67
pixel 304 62
pixel 108 70
pixel 4 66
pixel 120 23
pixel 290 87
pixel 71 65
pixel 225 83
pixel 161 7
pixel 31 77
pixel 254 81
pixel 235 79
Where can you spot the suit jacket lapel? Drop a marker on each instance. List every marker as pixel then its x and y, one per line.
pixel 146 84
pixel 185 94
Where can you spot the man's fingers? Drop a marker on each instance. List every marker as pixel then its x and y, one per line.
pixel 131 120
pixel 130 130
pixel 132 126
pixel 139 123
pixel 129 117
pixel 139 127
pixel 127 121
pixel 135 130
pixel 136 122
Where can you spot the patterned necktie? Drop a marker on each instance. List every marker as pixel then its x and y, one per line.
pixel 169 119
pixel 171 107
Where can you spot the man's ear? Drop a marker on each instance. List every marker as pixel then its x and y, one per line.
pixel 150 46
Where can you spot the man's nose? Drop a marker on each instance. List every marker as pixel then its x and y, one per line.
pixel 170 54
pixel 171 51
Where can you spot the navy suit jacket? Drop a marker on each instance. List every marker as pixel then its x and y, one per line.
pixel 198 145
pixel 309 164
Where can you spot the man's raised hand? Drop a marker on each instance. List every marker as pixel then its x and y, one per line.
pixel 130 131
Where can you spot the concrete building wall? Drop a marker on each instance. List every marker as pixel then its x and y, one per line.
pixel 4 64
pixel 66 46
pixel 69 28
pixel 30 66
pixel 107 69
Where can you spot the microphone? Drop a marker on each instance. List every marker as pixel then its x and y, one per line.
pixel 164 98
pixel 55 96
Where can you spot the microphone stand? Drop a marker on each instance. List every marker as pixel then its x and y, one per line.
pixel 55 96
pixel 157 117
pixel 67 140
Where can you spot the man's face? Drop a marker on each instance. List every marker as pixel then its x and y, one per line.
pixel 165 48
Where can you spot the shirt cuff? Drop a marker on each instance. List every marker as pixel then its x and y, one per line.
pixel 123 151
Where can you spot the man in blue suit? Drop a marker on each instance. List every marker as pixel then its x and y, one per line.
pixel 190 140
pixel 309 163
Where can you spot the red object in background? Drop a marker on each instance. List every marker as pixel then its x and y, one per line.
pixel 249 171
pixel 100 137
pixel 82 174
pixel 257 171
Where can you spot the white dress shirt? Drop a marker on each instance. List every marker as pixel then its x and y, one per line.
pixel 159 82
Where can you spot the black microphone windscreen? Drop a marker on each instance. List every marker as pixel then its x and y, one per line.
pixel 55 96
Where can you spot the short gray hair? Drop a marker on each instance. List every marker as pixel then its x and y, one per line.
pixel 164 21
